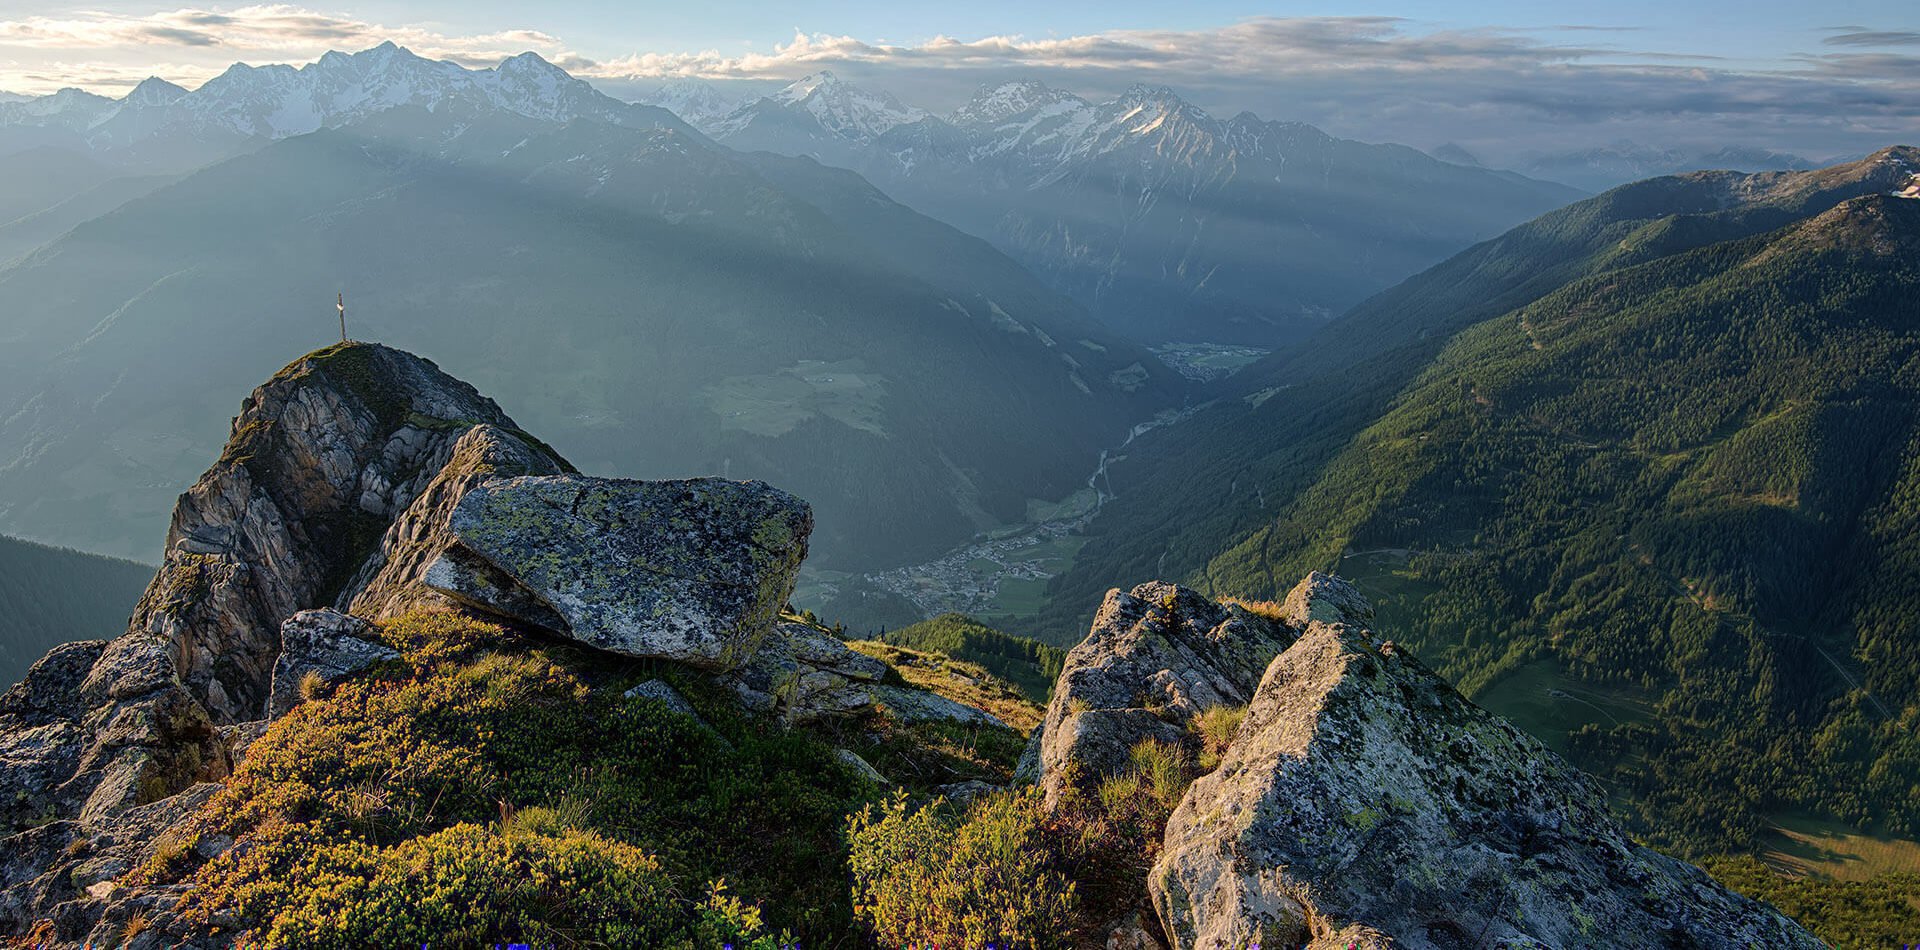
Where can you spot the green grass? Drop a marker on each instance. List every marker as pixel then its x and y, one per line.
pixel 775 404
pixel 1802 844
pixel 1542 699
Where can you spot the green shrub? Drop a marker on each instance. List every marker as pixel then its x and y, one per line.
pixel 929 875
pixel 469 886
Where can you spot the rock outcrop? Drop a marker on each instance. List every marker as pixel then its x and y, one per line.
pixel 1365 803
pixel 361 483
pixel 1156 657
pixel 326 644
pixel 323 458
pixel 801 675
pixel 327 491
pixel 693 571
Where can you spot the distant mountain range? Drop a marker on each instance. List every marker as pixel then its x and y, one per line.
pixel 658 304
pixel 1168 223
pixel 1608 166
pixel 1641 472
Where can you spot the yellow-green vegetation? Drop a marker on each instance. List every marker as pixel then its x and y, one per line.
pixel 930 875
pixel 1803 845
pixel 968 683
pixel 1850 915
pixel 929 753
pixel 1029 664
pixel 1270 609
pixel 485 788
pixel 1007 870
pixel 1216 727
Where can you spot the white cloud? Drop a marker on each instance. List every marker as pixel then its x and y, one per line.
pixel 102 51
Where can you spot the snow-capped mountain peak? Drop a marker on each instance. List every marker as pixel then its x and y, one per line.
pixel 800 89
pixel 840 108
pixel 695 100
pixel 276 101
pixel 995 104
pixel 154 91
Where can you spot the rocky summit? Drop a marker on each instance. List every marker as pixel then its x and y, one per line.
pixel 694 571
pixel 362 484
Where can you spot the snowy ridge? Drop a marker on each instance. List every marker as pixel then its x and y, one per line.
pixel 696 101
pixel 838 109
pixel 277 101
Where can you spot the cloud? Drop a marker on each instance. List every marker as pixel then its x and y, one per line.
pixel 1382 78
pixel 276 31
pixel 1266 45
pixel 1873 38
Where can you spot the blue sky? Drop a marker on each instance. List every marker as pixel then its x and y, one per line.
pixel 1823 79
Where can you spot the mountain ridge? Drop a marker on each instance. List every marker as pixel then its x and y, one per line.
pixel 1162 219
pixel 1693 393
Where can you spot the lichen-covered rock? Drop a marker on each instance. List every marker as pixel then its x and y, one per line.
pixel 694 571
pixel 1156 657
pixel 908 704
pixel 323 643
pixel 1365 803
pixel 802 675
pixel 64 873
pixel 390 581
pixel 308 505
pixel 1327 599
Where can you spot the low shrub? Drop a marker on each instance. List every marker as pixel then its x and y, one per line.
pixel 494 759
pixel 931 875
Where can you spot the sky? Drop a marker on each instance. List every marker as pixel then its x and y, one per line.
pixel 1498 76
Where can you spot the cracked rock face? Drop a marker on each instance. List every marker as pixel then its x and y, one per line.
pixel 323 643
pixel 1365 803
pixel 326 492
pixel 1156 657
pixel 694 571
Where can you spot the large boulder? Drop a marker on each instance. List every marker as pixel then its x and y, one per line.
pixel 1365 803
pixel 1156 657
pixel 694 571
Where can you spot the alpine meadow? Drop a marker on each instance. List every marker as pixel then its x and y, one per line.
pixel 1154 477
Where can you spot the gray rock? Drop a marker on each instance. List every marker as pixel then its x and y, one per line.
pixel 660 692
pixel 1366 803
pixel 693 571
pixel 860 766
pixel 963 793
pixel 1155 658
pixel 918 705
pixel 326 643
pixel 1327 599
pixel 291 516
pixel 802 675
